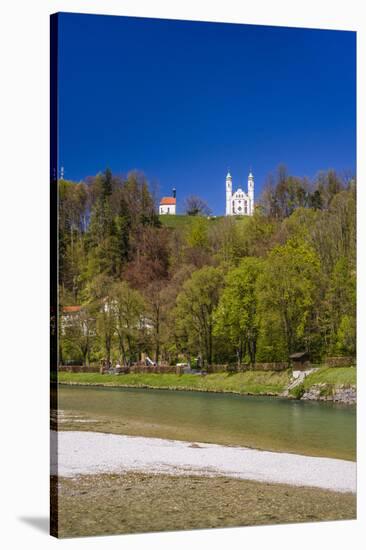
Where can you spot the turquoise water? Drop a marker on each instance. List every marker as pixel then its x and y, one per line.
pixel 311 428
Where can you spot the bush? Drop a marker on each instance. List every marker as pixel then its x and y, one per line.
pixel 298 391
pixel 326 390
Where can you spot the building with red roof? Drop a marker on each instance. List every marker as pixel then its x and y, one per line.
pixel 168 205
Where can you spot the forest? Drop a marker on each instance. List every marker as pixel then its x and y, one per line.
pixel 206 289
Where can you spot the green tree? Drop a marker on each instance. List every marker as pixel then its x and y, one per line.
pixel 198 234
pixel 304 233
pixel 340 309
pixel 196 304
pixel 100 299
pixel 102 236
pixel 228 239
pixel 128 307
pixel 287 289
pixel 197 250
pixel 346 336
pixel 236 315
pixel 157 302
pixel 72 226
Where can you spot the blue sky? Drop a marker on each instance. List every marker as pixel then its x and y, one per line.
pixel 183 101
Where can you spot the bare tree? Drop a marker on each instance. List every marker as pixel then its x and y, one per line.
pixel 195 206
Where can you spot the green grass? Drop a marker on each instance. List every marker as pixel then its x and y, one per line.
pixel 336 376
pixel 183 220
pixel 256 383
pixel 251 382
pixel 298 391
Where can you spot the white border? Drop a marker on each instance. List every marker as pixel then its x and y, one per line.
pixel 24 102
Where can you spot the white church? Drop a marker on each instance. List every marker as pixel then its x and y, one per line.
pixel 239 203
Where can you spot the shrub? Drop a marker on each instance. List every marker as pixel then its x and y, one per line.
pixel 298 391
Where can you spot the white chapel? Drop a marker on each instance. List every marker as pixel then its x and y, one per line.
pixel 239 203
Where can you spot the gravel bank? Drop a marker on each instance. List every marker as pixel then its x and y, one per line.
pixel 136 502
pixel 92 453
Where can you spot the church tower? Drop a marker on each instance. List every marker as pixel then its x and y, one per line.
pixel 251 193
pixel 229 193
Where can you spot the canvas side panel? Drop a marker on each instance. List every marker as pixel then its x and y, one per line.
pixel 54 324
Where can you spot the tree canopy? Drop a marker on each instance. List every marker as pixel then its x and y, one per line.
pixel 211 289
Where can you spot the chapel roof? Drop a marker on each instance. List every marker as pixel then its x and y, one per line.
pixel 168 201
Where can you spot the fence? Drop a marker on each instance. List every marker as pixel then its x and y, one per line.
pixel 234 367
pixel 340 361
pixel 159 369
pixel 77 368
pixel 172 369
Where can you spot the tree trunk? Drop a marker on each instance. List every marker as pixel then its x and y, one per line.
pixel 84 352
pixel 108 349
pixel 252 348
pixel 60 358
pixel 122 350
pixel 209 354
pixel 157 335
pixel 129 348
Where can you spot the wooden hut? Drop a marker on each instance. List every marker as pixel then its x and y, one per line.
pixel 300 360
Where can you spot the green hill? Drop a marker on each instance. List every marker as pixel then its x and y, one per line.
pixel 183 220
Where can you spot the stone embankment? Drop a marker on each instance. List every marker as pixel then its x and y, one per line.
pixel 323 392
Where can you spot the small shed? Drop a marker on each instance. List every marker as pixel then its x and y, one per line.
pixel 300 360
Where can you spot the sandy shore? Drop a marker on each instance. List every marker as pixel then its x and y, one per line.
pixel 95 453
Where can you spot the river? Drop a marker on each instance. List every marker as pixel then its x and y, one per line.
pixel 309 428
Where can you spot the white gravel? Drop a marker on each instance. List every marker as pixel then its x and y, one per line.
pixel 91 453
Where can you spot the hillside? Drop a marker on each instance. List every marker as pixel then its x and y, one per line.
pixel 183 220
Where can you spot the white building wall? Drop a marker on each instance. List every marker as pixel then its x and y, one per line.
pixel 167 209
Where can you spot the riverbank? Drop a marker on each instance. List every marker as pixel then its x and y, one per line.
pixel 329 384
pixel 246 383
pixel 331 380
pixel 118 454
pixel 135 502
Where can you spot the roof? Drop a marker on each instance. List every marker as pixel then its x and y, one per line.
pixel 71 309
pixel 299 355
pixel 168 200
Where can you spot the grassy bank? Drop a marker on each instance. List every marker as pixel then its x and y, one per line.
pixel 335 376
pixel 136 503
pixel 334 383
pixel 245 383
pixel 253 383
